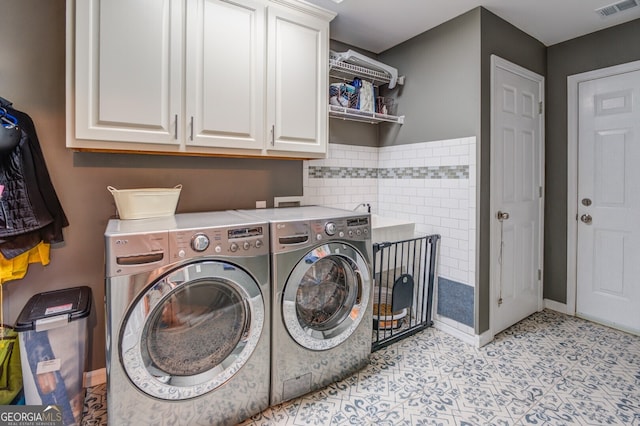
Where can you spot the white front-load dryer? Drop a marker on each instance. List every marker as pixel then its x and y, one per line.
pixel 321 288
pixel 188 314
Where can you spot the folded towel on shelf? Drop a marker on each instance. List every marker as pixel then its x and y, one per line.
pixel 367 97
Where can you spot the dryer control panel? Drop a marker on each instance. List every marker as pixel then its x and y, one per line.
pixel 243 241
pixel 130 254
pixel 135 246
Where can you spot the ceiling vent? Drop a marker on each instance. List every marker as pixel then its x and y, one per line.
pixel 616 7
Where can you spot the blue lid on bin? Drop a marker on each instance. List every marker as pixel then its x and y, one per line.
pixel 74 302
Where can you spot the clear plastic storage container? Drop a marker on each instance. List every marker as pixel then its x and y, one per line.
pixel 52 329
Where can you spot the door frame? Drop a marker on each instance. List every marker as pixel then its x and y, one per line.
pixel 498 62
pixel 573 81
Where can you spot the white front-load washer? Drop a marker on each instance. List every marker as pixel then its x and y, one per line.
pixel 321 288
pixel 188 315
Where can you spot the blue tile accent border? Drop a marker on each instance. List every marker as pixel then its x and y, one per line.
pixel 442 172
pixel 455 301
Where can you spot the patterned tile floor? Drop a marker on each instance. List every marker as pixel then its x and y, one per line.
pixel 549 369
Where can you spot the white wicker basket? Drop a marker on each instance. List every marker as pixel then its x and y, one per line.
pixel 145 202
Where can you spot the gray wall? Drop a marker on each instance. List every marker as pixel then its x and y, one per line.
pixel 441 95
pixel 602 49
pixel 508 42
pixel 32 75
pixel 448 73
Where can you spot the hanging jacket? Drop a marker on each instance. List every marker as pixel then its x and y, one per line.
pixel 16 268
pixel 30 211
pixel 20 212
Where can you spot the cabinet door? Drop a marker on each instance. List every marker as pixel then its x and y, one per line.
pixel 225 74
pixel 297 82
pixel 128 70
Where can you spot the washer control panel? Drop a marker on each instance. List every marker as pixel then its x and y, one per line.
pixel 223 241
pixel 288 236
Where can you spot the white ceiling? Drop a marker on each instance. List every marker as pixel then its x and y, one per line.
pixel 377 25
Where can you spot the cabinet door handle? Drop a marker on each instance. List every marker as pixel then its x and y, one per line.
pixel 175 134
pixel 191 136
pixel 273 135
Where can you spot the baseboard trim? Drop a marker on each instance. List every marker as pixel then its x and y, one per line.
pixel 557 306
pixel 95 378
pixel 485 338
pixel 472 339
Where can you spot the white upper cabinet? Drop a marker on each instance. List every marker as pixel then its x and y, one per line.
pixel 128 70
pixel 297 95
pixel 225 69
pixel 211 77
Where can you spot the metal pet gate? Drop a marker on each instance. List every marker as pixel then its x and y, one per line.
pixel 404 275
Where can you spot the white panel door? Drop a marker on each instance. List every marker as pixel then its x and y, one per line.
pixel 128 70
pixel 608 249
pixel 297 82
pixel 225 74
pixel 516 191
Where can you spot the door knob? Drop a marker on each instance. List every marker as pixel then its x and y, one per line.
pixel 586 218
pixel 502 215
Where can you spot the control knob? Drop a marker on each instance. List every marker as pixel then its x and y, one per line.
pixel 233 247
pixel 330 228
pixel 246 245
pixel 199 242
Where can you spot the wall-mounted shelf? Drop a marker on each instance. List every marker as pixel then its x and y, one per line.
pixel 347 65
pixel 346 71
pixel 363 116
pixel 353 63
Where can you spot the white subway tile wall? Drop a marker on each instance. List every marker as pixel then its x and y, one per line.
pixel 346 178
pixel 432 184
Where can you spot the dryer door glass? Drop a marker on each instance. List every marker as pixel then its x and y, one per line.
pixel 326 296
pixel 192 329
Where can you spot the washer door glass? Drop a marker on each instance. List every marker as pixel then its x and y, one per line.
pixel 326 296
pixel 192 330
